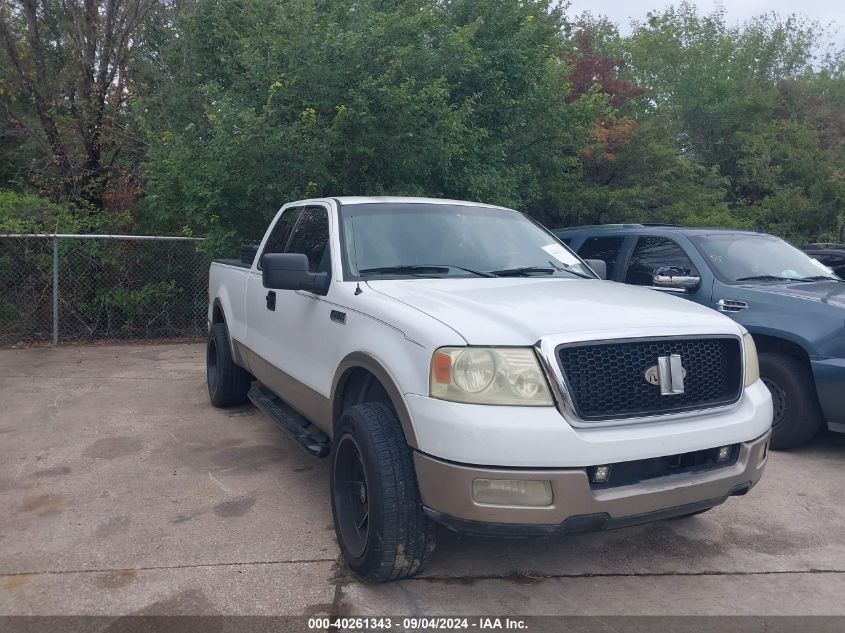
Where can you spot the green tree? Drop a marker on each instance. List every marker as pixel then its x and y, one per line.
pixel 272 101
pixel 753 103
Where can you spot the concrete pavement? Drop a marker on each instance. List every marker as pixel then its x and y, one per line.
pixel 123 491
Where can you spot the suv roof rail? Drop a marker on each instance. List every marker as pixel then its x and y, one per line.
pixel 602 226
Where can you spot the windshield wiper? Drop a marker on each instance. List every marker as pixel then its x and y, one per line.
pixel 577 273
pixel 435 269
pixel 821 278
pixel 528 270
pixel 523 270
pixel 772 278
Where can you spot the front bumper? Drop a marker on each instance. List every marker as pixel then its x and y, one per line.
pixel 446 491
pixel 542 437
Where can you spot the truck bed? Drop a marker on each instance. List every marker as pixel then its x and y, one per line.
pixel 233 262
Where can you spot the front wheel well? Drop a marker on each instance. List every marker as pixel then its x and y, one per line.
pixel 775 345
pixel 358 386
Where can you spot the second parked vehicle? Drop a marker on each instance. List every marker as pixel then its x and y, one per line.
pixel 793 306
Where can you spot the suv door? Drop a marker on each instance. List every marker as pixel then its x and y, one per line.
pixel 653 252
pixel 287 328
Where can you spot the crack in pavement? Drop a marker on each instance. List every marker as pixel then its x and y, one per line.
pixel 528 577
pixel 164 567
pixel 342 579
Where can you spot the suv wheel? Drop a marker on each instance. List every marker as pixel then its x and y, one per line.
pixel 378 516
pixel 797 416
pixel 228 383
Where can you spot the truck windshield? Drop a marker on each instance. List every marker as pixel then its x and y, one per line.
pixel 389 240
pixel 739 258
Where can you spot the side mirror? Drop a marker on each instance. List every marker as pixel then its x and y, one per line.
pixel 599 267
pixel 675 278
pixel 289 271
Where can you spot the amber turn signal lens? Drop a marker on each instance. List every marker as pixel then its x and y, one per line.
pixel 441 367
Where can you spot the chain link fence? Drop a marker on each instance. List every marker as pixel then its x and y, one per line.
pixel 66 288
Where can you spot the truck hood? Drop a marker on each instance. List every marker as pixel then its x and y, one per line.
pixel 521 311
pixel 827 292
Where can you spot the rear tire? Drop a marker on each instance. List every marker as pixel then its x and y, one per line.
pixel 228 383
pixel 381 528
pixel 797 416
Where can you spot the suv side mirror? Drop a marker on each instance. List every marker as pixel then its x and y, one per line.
pixel 289 271
pixel 675 278
pixel 599 267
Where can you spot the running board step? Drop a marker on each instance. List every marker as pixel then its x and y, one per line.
pixel 313 440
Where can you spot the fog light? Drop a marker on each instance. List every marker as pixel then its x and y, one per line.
pixel 723 454
pixel 601 474
pixel 512 492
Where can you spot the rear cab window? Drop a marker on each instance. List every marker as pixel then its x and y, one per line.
pixel 281 232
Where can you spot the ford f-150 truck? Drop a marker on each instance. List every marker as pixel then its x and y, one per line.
pixel 460 366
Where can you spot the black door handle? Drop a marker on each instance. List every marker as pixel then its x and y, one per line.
pixel 338 317
pixel 271 300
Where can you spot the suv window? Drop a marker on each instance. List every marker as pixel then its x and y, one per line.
pixel 652 253
pixel 604 248
pixel 280 234
pixel 311 236
pixel 836 262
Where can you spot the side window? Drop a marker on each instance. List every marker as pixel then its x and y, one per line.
pixel 566 240
pixel 604 248
pixel 311 236
pixel 835 262
pixel 280 233
pixel 652 253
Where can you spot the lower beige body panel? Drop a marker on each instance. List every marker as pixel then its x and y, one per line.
pixel 446 488
pixel 311 404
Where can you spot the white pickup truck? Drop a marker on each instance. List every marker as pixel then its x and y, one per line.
pixel 460 366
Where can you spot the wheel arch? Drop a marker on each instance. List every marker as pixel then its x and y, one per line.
pixel 359 375
pixel 218 315
pixel 767 343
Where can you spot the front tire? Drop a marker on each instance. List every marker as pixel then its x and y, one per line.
pixel 379 521
pixel 228 384
pixel 797 416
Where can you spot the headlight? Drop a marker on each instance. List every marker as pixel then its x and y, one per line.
pixel 752 366
pixel 489 375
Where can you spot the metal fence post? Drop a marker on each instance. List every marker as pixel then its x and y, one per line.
pixel 55 290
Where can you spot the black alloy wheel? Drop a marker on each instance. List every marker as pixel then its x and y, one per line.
pixel 351 496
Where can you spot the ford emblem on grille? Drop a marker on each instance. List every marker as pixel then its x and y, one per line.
pixel 669 373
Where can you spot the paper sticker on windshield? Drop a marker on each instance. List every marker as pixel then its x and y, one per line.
pixel 560 254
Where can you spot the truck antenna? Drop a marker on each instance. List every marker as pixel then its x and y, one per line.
pixel 358 289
